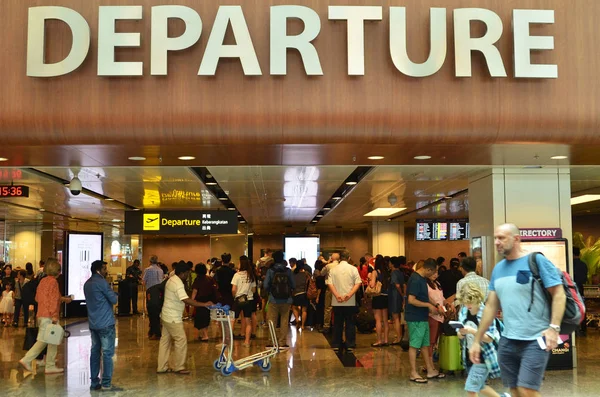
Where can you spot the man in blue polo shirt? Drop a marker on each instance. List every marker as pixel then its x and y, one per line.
pixel 522 361
pixel 100 299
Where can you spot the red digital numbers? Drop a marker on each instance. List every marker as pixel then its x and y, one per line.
pixel 14 191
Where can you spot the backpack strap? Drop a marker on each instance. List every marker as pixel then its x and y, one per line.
pixel 535 276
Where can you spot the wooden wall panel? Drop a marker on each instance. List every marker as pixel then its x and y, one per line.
pixel 383 107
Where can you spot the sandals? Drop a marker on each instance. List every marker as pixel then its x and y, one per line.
pixel 183 372
pixel 438 376
pixel 418 380
pixel 378 344
pixel 167 371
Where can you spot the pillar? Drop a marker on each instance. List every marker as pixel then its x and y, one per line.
pixel 47 243
pixel 386 238
pixel 529 198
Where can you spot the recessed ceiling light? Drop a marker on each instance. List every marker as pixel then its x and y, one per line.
pixel 586 198
pixel 231 208
pixel 137 158
pixel 42 210
pixel 351 183
pixel 211 183
pixel 326 208
pixel 559 157
pixel 239 216
pixel 375 157
pixel 314 221
pixel 109 199
pixel 186 158
pixel 250 234
pixel 336 198
pixel 223 198
pixel 422 157
pixel 3 159
pixel 242 221
pixel 319 216
pixel 136 209
pixel 116 220
pixel 384 211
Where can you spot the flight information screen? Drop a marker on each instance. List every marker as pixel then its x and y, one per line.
pixel 459 230
pixel 428 230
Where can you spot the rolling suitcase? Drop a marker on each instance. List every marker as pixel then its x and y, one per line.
pixel 450 353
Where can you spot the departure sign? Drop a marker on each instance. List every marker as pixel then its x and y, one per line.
pixel 181 222
pixel 428 230
pixel 459 229
pixel 14 191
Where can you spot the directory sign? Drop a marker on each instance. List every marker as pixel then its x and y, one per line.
pixel 430 230
pixel 459 229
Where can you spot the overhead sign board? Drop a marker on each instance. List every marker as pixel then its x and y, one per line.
pixel 181 222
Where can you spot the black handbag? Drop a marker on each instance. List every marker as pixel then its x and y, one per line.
pixel 30 339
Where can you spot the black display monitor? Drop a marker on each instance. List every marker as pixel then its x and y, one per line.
pixel 431 230
pixel 459 229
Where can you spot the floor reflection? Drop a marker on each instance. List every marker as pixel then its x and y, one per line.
pixel 308 368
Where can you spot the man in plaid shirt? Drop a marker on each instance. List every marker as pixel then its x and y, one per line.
pixel 471 297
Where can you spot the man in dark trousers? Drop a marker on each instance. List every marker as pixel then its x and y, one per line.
pixel 580 275
pixel 134 276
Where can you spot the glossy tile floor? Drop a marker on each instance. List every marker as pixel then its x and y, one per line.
pixel 309 368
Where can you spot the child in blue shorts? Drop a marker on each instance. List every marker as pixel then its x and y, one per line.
pixel 471 298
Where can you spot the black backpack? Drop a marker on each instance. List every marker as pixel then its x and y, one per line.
pixel 280 285
pixel 29 290
pixel 156 295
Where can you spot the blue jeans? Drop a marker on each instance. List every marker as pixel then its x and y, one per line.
pixel 103 341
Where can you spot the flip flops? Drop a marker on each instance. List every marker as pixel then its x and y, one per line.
pixel 438 376
pixel 418 380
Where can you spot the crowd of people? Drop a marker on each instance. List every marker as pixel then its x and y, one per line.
pixel 412 301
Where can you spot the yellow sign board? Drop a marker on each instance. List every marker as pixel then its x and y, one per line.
pixel 152 222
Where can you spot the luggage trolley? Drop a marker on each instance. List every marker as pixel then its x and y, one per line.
pixel 225 362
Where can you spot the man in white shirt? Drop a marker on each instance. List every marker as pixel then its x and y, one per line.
pixel 173 333
pixel 333 262
pixel 343 282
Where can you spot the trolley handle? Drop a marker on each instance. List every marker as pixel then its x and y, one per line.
pixel 220 308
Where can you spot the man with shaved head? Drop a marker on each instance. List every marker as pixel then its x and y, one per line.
pixel 334 260
pixel 522 361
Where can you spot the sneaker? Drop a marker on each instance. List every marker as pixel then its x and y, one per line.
pixel 26 365
pixel 112 388
pixel 97 387
pixel 54 371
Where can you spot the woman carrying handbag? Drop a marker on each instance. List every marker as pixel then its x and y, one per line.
pixel 49 299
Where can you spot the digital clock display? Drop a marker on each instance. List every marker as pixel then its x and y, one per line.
pixel 14 191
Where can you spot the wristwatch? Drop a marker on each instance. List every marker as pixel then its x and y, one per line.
pixel 555 327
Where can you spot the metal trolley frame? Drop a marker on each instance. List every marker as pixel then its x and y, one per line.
pixel 225 362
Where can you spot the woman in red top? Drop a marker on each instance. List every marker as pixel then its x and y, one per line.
pixel 49 299
pixel 363 271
